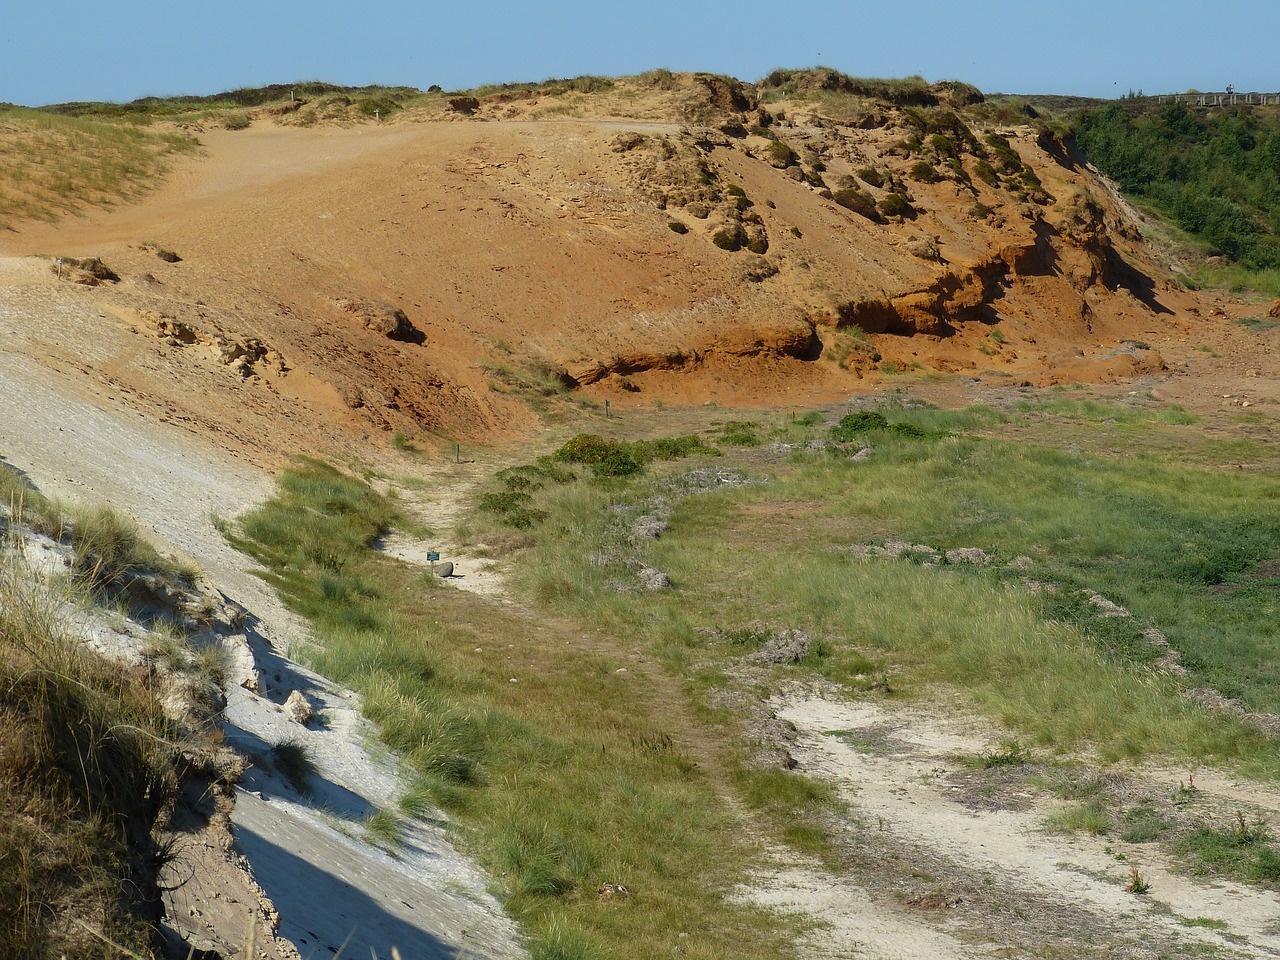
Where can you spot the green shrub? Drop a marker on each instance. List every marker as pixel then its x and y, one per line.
pixel 739 433
pixel 781 154
pixel 923 171
pixel 586 448
pixel 671 448
pixel 856 200
pixel 895 205
pixel 853 424
pixel 942 145
pixel 758 244
pixel 504 502
pixel 607 458
pixel 618 463
pixel 986 173
pixel 731 238
pixel 871 177
pixel 675 226
pixel 1212 172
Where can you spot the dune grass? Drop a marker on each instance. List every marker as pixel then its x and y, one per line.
pixel 51 164
pixel 1185 550
pixel 569 765
pixel 602 743
pixel 108 545
pixel 86 763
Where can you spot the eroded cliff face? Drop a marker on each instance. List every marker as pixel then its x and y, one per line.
pixel 703 240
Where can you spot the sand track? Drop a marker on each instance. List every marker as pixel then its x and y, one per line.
pixel 978 875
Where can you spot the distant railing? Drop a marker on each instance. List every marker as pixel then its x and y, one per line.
pixel 1220 99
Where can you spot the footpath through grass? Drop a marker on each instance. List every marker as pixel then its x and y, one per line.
pixel 614 751
pixel 1190 552
pixel 570 766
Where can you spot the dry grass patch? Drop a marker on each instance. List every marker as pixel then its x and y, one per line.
pixel 86 764
pixel 51 165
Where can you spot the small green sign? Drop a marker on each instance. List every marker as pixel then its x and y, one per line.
pixel 433 555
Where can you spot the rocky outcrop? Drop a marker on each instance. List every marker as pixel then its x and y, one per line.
pixel 956 296
pixel 794 338
pixel 384 319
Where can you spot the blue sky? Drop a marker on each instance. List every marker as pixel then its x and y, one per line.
pixel 127 49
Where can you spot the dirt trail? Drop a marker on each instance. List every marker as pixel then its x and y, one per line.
pixel 995 874
pixel 437 496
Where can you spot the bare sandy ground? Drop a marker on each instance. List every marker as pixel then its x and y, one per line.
pixel 900 771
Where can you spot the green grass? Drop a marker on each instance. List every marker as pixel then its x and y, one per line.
pixel 1010 754
pixel 1088 817
pixel 1142 825
pixel 564 772
pixel 109 546
pixel 1209 923
pixel 1159 539
pixel 1241 850
pixel 569 773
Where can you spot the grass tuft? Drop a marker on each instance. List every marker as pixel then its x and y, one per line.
pixel 293 760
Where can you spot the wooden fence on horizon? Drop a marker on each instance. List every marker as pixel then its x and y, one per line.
pixel 1218 99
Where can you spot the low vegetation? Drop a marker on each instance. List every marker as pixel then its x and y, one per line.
pixel 88 758
pixel 83 771
pixel 52 164
pixel 1156 539
pixel 147 109
pixel 509 739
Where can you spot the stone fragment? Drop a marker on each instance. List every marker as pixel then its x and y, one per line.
pixel 298 708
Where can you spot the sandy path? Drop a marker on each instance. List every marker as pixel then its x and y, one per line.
pixel 438 500
pixel 901 785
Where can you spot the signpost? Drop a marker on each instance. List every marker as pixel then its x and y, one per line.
pixel 433 556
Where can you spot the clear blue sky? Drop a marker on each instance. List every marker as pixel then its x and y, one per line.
pixel 126 49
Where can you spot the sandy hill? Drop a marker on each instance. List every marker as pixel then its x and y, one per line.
pixel 686 238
